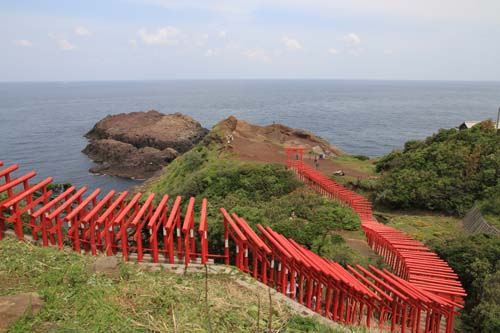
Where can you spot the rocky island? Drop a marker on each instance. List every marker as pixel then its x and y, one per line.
pixel 138 144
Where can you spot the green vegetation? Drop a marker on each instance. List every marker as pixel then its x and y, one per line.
pixel 423 226
pixel 261 193
pixel 476 260
pixel 131 299
pixel 490 206
pixel 201 173
pixel 357 162
pixel 366 185
pixel 334 246
pixel 448 172
pixel 361 157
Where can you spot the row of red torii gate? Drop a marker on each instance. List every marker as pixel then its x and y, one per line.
pixel 420 292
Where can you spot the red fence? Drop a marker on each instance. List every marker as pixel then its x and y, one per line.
pixel 414 300
pixel 109 224
pixel 352 296
pixel 419 270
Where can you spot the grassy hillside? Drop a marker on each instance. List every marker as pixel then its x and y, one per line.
pixel 133 300
pixel 422 225
pixel 263 193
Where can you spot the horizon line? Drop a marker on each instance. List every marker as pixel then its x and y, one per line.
pixel 248 79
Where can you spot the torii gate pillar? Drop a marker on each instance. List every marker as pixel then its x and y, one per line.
pixel 294 156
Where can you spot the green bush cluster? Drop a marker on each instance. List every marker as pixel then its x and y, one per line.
pixel 476 261
pixel 305 217
pixel 449 171
pixel 361 157
pixel 491 203
pixel 201 173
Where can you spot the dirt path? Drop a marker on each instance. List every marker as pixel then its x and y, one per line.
pixel 357 241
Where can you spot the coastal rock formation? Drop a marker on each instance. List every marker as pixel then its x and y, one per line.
pixel 265 143
pixel 236 139
pixel 137 144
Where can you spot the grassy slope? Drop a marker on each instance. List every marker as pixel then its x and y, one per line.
pixel 131 300
pixel 363 165
pixel 424 226
pixel 261 193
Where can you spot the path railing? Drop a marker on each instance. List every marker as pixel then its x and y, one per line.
pixel 414 300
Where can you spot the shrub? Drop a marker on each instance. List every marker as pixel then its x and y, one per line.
pixel 447 172
pixel 475 260
pixel 361 157
pixel 491 203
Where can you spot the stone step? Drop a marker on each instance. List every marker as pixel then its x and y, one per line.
pixel 148 258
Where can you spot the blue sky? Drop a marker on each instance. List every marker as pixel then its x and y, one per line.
pixel 190 39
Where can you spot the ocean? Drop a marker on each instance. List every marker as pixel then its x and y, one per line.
pixel 42 124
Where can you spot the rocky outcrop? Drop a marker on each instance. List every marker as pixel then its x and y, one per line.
pixel 238 139
pixel 252 141
pixel 13 307
pixel 105 265
pixel 137 144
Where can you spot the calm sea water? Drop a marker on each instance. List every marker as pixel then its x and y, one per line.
pixel 42 124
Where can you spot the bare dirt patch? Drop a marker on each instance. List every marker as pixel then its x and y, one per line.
pixel 248 142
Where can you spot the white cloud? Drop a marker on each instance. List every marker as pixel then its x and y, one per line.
pixel 211 52
pixel 65 45
pixel 291 43
pixel 333 51
pixel 165 35
pixel 355 52
pixel 222 34
pixel 353 44
pixel 132 43
pixel 23 43
pixel 82 31
pixel 351 39
pixel 258 55
pixel 201 40
pixel 388 52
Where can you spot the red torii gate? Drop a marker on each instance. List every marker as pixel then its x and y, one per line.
pixel 410 259
pixel 108 224
pixel 294 156
pixel 426 291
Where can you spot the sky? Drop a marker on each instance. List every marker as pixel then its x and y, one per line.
pixel 78 40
